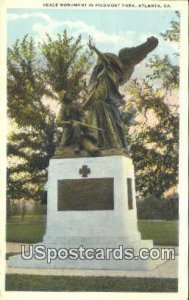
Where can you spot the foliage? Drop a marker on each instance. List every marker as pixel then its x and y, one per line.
pixel 33 77
pixel 163 68
pixel 158 209
pixel 149 209
pixel 170 208
pixel 173 34
pixel 153 124
pixel 31 143
pixel 25 85
pixel 65 65
pixel 153 140
pixel 33 208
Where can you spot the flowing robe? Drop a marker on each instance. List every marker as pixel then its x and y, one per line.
pixel 103 107
pixel 104 97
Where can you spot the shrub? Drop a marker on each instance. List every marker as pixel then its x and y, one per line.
pixel 152 208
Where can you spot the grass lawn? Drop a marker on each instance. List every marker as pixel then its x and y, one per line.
pixel 161 232
pixel 17 282
pixel 32 229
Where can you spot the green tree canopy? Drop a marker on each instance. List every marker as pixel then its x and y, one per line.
pixel 154 140
pixel 35 74
pixel 163 68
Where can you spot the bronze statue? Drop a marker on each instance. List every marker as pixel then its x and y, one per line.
pixel 97 124
pixel 104 99
pixel 76 133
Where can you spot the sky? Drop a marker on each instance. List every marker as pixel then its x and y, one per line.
pixel 111 30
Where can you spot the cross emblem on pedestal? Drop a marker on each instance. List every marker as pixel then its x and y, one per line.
pixel 84 171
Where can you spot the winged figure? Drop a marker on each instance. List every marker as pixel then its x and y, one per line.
pixel 110 72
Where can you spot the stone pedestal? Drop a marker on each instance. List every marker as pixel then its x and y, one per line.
pixel 91 202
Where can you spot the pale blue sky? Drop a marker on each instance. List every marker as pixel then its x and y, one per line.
pixel 111 29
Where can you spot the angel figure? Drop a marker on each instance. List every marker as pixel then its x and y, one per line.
pixel 104 98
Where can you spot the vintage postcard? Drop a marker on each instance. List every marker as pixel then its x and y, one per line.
pixel 94 149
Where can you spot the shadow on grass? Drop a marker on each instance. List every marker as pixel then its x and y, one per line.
pixel 15 282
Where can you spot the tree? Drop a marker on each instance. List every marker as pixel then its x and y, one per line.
pixel 32 77
pixel 66 67
pixel 31 142
pixel 153 133
pixel 163 68
pixel 173 34
pixel 153 140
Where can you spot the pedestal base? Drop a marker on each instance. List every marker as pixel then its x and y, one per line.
pixel 114 262
pixel 91 203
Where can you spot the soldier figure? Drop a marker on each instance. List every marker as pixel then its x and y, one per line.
pixel 76 134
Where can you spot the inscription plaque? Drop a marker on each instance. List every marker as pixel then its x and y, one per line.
pixel 130 193
pixel 86 194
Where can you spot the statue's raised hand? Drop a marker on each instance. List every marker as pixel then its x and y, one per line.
pixel 91 45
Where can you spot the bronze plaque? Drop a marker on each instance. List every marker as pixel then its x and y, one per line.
pixel 130 193
pixel 86 194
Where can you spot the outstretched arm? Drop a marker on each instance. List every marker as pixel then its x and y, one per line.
pixel 135 55
pixel 100 54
